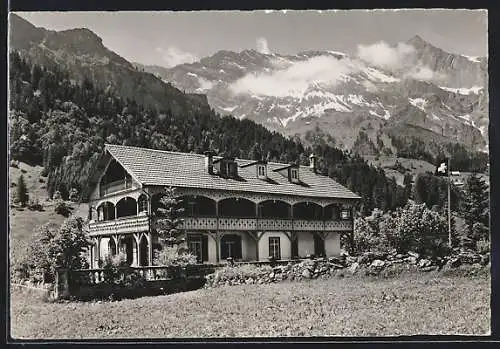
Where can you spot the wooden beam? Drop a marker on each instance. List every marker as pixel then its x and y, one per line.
pixel 288 235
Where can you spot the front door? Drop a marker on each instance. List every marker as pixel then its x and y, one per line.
pixel 319 246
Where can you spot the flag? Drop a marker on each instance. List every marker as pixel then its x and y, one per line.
pixel 442 169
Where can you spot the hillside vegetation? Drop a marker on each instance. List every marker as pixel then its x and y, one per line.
pixel 63 125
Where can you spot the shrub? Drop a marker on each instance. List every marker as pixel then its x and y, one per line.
pixel 242 272
pixel 112 266
pixel 483 246
pixel 44 173
pixel 412 228
pixel 57 195
pixel 73 194
pixel 170 256
pixel 35 205
pixel 63 209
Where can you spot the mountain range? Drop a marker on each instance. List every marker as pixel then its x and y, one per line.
pixel 421 91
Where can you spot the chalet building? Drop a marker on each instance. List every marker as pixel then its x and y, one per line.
pixel 247 210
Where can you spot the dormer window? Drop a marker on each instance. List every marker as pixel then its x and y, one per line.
pixel 260 168
pixel 261 171
pixel 227 167
pixel 291 172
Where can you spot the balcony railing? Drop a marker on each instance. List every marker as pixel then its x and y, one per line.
pixel 120 226
pixel 265 224
pixel 137 224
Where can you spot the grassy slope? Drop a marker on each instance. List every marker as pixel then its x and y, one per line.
pixel 419 304
pixel 415 166
pixel 23 221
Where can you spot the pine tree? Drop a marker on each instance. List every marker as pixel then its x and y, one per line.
pixel 22 192
pixel 168 219
pixel 475 208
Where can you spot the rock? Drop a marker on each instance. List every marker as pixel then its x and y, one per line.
pixel 349 260
pixel 413 254
pixel 429 268
pixel 399 256
pixel 423 263
pixel 454 262
pixel 271 275
pixel 412 260
pixel 354 267
pixel 306 274
pixel 335 260
pixel 377 263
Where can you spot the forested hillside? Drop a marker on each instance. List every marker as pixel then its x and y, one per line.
pixel 63 124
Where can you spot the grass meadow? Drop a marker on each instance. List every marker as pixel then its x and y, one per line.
pixel 406 305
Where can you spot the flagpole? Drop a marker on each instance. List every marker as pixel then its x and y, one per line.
pixel 449 204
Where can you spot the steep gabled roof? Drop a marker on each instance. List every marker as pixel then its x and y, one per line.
pixel 165 168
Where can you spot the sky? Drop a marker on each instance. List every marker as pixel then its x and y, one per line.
pixel 171 38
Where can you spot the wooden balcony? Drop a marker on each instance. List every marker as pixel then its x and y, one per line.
pixel 264 224
pixel 122 225
pixel 141 223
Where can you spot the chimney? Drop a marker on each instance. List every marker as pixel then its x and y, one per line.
pixel 209 161
pixel 313 162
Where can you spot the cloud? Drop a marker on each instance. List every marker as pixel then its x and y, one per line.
pixel 173 56
pixel 423 72
pixel 383 55
pixel 398 59
pixel 262 46
pixel 294 80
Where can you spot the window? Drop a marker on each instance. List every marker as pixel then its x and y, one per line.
pixel 261 171
pixel 198 245
pixel 274 247
pixel 346 213
pixel 230 247
pixel 142 204
pixel 229 169
pixel 294 175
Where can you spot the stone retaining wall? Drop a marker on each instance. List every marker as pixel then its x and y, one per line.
pixel 368 264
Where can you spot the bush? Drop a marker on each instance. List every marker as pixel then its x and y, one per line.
pixel 112 267
pixel 170 256
pixel 73 194
pixel 63 209
pixel 412 228
pixel 35 205
pixel 483 246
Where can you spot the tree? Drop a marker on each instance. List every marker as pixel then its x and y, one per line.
pixel 168 219
pixel 51 249
pixel 475 208
pixel 22 192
